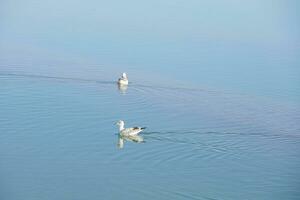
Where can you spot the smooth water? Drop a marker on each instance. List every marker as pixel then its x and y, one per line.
pixel 216 83
pixel 58 141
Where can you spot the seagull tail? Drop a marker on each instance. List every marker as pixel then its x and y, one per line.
pixel 143 128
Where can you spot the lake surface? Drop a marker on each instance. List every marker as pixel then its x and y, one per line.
pixel 58 141
pixel 216 83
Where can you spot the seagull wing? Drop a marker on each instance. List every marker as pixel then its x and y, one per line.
pixel 131 131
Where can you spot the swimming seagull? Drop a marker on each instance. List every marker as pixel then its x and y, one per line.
pixel 128 131
pixel 123 80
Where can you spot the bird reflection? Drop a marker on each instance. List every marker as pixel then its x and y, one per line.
pixel 123 139
pixel 122 88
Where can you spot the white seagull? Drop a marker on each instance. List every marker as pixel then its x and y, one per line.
pixel 128 131
pixel 123 80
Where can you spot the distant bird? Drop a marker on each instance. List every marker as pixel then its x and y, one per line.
pixel 123 80
pixel 128 131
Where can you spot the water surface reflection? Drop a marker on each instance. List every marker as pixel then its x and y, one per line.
pixel 122 88
pixel 135 138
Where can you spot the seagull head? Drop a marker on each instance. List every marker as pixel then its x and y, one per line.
pixel 124 75
pixel 120 123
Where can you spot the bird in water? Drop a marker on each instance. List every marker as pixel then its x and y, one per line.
pixel 128 131
pixel 123 80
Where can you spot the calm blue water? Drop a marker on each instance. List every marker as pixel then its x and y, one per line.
pixel 216 83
